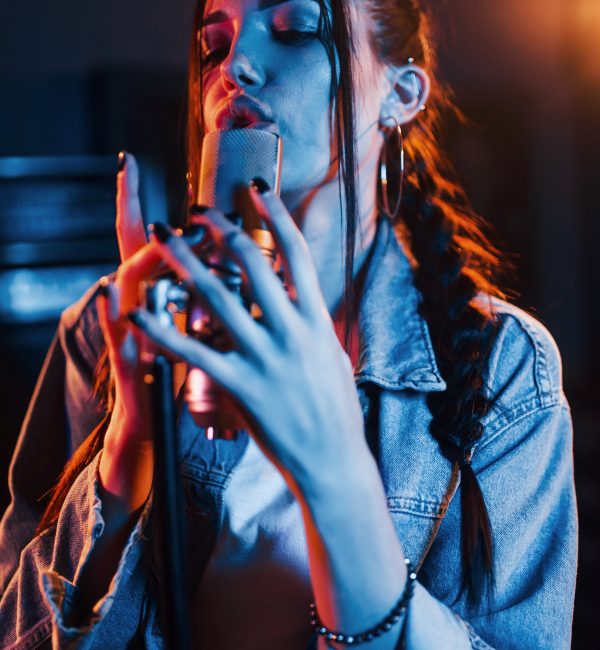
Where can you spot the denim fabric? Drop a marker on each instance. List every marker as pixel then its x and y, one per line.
pixel 523 462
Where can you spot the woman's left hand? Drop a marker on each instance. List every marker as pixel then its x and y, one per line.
pixel 295 383
pixel 288 371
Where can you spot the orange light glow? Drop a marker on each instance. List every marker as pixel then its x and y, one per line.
pixel 586 37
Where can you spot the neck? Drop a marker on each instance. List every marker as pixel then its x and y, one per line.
pixel 322 220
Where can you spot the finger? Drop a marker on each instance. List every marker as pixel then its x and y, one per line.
pixel 105 305
pixel 224 368
pixel 131 234
pixel 143 264
pixel 299 270
pixel 122 339
pixel 121 345
pixel 207 286
pixel 264 285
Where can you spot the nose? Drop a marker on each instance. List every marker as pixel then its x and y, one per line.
pixel 242 66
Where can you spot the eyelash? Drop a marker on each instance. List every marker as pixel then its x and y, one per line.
pixel 294 36
pixel 287 36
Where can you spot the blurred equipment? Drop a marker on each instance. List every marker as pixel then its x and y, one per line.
pixel 57 237
pixel 57 233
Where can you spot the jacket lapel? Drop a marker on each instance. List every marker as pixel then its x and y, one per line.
pixel 395 372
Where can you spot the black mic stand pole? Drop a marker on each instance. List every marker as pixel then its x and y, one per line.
pixel 170 511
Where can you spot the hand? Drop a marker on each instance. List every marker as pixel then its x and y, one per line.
pixel 288 371
pixel 127 443
pixel 127 462
pixel 131 234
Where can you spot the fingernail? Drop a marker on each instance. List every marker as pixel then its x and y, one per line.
pixel 121 161
pixel 193 231
pixel 235 218
pixel 136 318
pixel 193 234
pixel 103 287
pixel 199 209
pixel 260 185
pixel 160 231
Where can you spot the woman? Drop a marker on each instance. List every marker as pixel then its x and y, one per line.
pixel 356 451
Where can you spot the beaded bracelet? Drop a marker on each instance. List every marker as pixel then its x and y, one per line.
pixel 384 626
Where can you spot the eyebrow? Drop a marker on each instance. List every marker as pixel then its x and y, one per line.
pixel 220 16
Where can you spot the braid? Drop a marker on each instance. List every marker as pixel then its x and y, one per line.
pixel 454 265
pixel 461 334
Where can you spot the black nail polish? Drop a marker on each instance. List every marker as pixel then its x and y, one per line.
pixel 121 161
pixel 103 287
pixel 260 184
pixel 199 209
pixel 136 318
pixel 160 231
pixel 235 218
pixel 193 234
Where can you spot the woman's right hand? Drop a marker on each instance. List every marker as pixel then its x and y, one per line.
pixel 126 466
pixel 127 462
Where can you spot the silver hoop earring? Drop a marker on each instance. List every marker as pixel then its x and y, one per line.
pixel 383 175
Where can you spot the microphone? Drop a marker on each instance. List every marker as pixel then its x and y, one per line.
pixel 229 161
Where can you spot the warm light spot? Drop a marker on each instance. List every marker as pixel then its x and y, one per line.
pixel 586 37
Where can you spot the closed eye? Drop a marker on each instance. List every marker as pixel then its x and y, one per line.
pixel 294 36
pixel 286 36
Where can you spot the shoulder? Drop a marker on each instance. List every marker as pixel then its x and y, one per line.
pixel 524 370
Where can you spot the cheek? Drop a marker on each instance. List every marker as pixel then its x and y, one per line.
pixel 213 96
pixel 304 122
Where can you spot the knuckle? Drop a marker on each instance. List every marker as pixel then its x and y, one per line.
pixel 292 339
pixel 237 239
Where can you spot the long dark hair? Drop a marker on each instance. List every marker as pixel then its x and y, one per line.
pixel 455 266
pixel 455 262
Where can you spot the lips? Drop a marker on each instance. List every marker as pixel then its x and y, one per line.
pixel 244 112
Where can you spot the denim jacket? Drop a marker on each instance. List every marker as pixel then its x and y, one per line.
pixel 523 463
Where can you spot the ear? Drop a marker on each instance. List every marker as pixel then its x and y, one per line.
pixel 408 88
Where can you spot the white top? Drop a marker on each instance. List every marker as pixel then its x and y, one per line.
pixel 256 590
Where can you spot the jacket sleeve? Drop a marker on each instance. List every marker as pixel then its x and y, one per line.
pixel 524 464
pixel 41 601
pixel 61 413
pixel 37 573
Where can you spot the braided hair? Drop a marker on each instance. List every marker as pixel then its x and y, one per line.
pixel 455 268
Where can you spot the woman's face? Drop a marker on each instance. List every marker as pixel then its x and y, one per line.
pixel 268 51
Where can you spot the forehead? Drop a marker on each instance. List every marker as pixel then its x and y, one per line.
pixel 216 11
pixel 250 5
pixel 220 9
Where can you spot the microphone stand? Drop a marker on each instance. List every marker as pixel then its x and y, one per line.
pixel 171 514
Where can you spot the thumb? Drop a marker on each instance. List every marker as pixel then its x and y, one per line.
pixel 121 339
pixel 131 234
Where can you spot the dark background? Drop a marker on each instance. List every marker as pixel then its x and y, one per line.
pixel 88 79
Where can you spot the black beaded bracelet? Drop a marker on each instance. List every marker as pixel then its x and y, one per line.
pixel 381 628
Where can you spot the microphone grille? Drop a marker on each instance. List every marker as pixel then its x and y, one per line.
pixel 230 160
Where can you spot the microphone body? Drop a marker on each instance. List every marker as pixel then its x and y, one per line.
pixel 229 161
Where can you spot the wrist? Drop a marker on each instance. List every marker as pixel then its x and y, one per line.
pixel 355 554
pixel 126 466
pixel 338 488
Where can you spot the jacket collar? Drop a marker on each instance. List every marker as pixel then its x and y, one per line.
pixel 395 349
